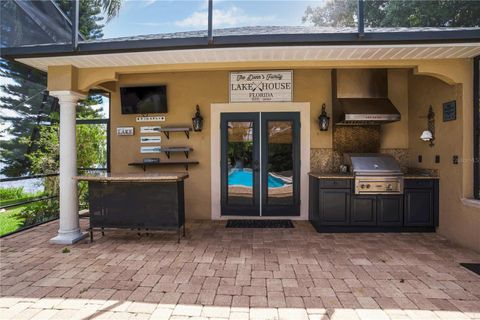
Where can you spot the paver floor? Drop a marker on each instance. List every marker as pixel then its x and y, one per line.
pixel 219 273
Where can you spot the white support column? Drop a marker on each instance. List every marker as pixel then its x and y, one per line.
pixel 69 231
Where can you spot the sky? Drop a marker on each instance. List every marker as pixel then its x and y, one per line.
pixel 140 17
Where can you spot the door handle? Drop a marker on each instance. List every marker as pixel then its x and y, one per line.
pixel 256 166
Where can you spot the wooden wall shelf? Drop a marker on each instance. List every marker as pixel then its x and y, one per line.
pixel 166 131
pixel 169 150
pixel 144 165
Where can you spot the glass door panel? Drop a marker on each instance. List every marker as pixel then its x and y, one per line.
pixel 270 187
pixel 240 164
pixel 280 164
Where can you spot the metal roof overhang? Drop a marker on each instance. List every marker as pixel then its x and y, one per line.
pixel 310 39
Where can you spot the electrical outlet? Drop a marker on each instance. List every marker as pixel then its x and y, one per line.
pixel 437 159
pixel 420 159
pixel 455 159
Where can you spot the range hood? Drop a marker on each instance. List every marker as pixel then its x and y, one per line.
pixel 362 97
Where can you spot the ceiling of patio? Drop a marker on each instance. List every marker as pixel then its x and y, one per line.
pixel 285 53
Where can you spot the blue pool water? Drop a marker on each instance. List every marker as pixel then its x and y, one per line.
pixel 244 178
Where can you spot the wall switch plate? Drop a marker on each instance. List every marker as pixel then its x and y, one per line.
pixel 420 159
pixel 455 159
pixel 437 159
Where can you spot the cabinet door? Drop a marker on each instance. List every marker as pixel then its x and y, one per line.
pixel 418 207
pixel 389 210
pixel 334 206
pixel 363 211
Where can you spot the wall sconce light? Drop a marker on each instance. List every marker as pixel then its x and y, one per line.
pixel 197 121
pixel 429 134
pixel 323 119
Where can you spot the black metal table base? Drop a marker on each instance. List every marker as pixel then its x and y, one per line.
pixel 180 231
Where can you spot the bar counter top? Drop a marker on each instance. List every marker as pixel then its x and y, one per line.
pixel 336 175
pixel 134 177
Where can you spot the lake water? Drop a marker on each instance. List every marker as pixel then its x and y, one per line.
pixel 30 185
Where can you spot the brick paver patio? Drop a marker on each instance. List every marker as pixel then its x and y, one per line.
pixel 218 273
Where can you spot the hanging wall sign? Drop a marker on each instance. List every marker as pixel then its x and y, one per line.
pixel 125 131
pixel 261 86
pixel 450 111
pixel 150 119
pixel 150 129
pixel 153 149
pixel 151 139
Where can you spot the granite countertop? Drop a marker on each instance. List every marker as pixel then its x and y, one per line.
pixel 420 176
pixel 135 177
pixel 337 175
pixel 330 175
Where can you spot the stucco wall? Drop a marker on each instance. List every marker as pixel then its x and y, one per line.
pixel 185 90
pixel 458 222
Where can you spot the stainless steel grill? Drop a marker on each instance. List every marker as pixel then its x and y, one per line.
pixel 375 173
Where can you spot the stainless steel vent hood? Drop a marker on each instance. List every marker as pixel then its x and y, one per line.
pixel 362 97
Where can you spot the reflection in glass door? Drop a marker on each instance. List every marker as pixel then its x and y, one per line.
pixel 260 164
pixel 280 164
pixel 240 164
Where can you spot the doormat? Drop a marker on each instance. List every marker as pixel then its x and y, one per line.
pixel 474 267
pixel 260 224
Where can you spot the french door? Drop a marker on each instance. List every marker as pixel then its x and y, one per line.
pixel 260 164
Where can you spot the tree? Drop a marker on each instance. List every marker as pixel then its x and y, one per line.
pixel 23 98
pixel 398 13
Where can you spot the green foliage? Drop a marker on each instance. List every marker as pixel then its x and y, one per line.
pixel 39 212
pixel 240 153
pixel 398 13
pixel 66 250
pixel 24 100
pixel 10 220
pixel 24 96
pixel 12 193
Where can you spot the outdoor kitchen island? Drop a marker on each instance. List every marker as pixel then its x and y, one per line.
pixel 144 201
pixel 334 205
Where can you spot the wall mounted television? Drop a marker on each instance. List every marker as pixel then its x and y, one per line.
pixel 144 100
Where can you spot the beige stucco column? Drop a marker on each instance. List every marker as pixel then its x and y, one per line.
pixel 69 230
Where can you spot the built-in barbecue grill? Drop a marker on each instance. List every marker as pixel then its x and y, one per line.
pixel 375 173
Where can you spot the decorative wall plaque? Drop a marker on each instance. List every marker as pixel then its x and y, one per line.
pixel 152 149
pixel 261 86
pixel 125 131
pixel 150 129
pixel 150 119
pixel 151 139
pixel 450 111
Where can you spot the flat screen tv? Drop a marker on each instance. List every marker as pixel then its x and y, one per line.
pixel 144 100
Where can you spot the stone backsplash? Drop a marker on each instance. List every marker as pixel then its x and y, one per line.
pixel 325 160
pixel 356 139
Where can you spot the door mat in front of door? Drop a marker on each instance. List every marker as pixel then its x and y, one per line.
pixel 260 224
pixel 475 267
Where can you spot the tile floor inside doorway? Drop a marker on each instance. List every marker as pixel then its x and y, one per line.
pixel 219 273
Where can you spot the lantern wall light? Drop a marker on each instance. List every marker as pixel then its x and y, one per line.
pixel 429 134
pixel 197 121
pixel 323 119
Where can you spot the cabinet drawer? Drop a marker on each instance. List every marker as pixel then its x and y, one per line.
pixel 335 183
pixel 418 183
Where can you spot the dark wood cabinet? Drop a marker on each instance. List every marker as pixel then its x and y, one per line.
pixel 419 205
pixel 389 210
pixel 363 211
pixel 334 206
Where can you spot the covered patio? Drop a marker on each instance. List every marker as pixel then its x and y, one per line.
pixel 220 273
